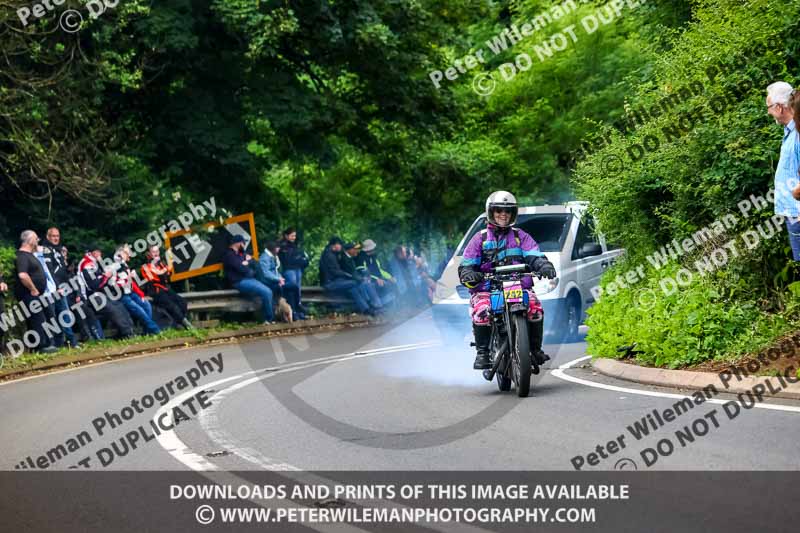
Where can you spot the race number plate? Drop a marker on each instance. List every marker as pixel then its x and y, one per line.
pixel 512 290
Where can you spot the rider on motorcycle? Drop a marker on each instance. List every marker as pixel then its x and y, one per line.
pixel 498 245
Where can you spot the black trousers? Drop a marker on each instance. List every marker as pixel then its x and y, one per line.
pixel 35 322
pixel 172 303
pixel 115 313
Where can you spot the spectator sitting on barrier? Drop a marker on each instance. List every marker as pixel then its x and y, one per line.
pixel 155 274
pixel 32 283
pixel 401 271
pixel 348 264
pixel 293 262
pixel 95 280
pixel 427 287
pixel 268 264
pixel 368 265
pixel 241 276
pixel 53 253
pixel 334 279
pixel 132 295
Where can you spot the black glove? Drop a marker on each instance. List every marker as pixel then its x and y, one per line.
pixel 471 278
pixel 542 266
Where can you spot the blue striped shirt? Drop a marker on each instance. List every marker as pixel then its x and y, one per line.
pixel 786 173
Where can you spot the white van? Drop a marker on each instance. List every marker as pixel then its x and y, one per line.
pixel 565 233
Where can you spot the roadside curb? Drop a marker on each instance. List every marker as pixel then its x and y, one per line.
pixel 685 379
pixel 281 329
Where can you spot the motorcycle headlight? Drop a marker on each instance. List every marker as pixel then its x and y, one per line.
pixel 544 285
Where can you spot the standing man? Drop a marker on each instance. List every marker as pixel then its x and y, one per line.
pixel 786 177
pixel 55 260
pixel 31 283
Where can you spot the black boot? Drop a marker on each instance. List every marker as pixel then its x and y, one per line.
pixel 482 335
pixel 536 335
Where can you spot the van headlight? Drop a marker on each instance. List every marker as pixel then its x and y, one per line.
pixel 544 285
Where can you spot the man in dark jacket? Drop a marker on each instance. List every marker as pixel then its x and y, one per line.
pixel 95 291
pixel 240 275
pixel 54 258
pixel 334 279
pixel 369 266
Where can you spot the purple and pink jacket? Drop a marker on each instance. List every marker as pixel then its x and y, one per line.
pixel 489 247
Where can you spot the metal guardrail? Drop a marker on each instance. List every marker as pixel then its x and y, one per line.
pixel 234 301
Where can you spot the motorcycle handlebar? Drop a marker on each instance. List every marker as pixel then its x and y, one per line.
pixel 495 274
pixel 511 268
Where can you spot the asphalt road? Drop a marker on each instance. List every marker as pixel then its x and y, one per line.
pixel 400 397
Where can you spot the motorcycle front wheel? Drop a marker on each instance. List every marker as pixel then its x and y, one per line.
pixel 503 381
pixel 521 356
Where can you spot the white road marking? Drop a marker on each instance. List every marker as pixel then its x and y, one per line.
pixel 559 373
pixel 178 449
pixel 276 347
pixel 172 444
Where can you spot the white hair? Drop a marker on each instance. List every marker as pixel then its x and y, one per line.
pixel 780 92
pixel 120 250
pixel 26 236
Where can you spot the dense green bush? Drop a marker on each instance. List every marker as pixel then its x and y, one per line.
pixel 727 152
pixel 710 317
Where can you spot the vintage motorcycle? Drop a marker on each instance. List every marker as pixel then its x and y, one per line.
pixel 509 344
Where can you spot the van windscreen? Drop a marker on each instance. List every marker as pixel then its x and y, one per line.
pixel 549 231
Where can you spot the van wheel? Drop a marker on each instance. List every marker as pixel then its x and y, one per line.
pixel 569 319
pixel 572 319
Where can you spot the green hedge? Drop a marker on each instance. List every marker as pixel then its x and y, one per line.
pixel 726 153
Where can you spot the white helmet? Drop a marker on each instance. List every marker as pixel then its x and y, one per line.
pixel 501 199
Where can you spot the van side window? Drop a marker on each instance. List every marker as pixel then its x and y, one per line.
pixel 586 234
